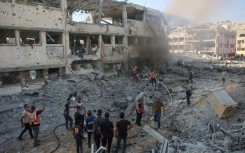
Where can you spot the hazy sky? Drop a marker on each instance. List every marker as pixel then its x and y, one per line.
pixel 205 10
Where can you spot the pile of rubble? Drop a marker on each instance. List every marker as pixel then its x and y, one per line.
pixel 194 128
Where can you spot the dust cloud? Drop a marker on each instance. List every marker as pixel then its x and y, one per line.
pixel 198 11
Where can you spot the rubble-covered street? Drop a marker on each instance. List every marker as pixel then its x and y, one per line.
pixel 194 128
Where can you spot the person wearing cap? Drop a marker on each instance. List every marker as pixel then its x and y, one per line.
pixel 157 108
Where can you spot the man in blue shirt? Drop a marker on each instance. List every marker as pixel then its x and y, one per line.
pixel 78 136
pixel 89 125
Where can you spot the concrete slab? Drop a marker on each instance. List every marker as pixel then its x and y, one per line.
pixel 155 134
pixel 8 107
pixel 10 90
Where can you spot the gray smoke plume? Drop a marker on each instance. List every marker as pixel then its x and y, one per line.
pixel 198 11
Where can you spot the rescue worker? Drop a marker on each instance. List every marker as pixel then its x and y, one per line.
pixel 25 119
pixel 78 136
pixel 153 79
pixel 35 122
pixel 139 111
pixel 157 108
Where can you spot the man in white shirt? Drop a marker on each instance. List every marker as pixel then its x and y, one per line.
pixel 25 122
pixel 82 108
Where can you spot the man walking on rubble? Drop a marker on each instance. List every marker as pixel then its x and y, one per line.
pixel 89 126
pixel 25 119
pixel 66 114
pixel 153 79
pixel 35 122
pixel 97 123
pixel 157 108
pixel 224 73
pixel 139 111
pixel 121 131
pixel 188 92
pixel 134 71
pixel 106 130
pixel 119 70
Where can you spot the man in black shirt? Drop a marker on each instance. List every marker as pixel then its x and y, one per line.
pixel 97 123
pixel 121 131
pixel 66 114
pixel 106 130
pixel 78 117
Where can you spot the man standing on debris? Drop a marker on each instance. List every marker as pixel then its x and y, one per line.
pixel 89 126
pixel 190 75
pixel 188 92
pixel 35 122
pixel 78 136
pixel 97 123
pixel 157 108
pixel 134 71
pixel 119 70
pixel 66 113
pixel 78 117
pixel 25 122
pixel 106 130
pixel 224 73
pixel 121 131
pixel 82 108
pixel 153 79
pixel 139 111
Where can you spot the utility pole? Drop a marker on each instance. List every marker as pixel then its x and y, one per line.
pixel 100 11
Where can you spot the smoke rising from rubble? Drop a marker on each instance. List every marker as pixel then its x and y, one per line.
pixel 198 11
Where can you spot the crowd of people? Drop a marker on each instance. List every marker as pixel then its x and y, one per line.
pixel 100 127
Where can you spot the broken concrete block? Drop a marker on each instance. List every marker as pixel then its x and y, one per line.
pixel 100 75
pixel 177 89
pixel 11 90
pixel 73 79
pixel 91 77
pixel 222 103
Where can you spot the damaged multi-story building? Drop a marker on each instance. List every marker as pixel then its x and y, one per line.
pixel 42 37
pixel 213 39
pixel 240 46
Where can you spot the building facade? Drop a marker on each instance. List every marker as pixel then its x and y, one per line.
pixel 73 36
pixel 240 46
pixel 212 39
